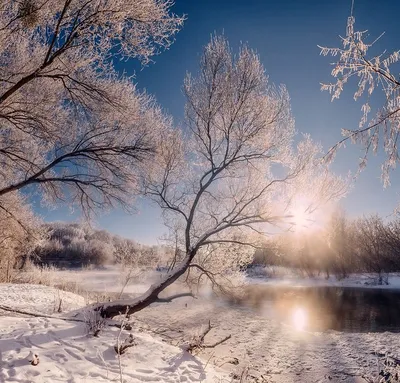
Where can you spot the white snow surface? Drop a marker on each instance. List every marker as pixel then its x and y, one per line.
pixel 38 298
pixel 68 354
pixel 266 349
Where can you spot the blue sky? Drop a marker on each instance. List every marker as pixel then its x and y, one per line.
pixel 285 34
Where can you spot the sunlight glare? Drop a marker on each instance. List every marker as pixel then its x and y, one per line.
pixel 300 218
pixel 299 318
pixel 303 218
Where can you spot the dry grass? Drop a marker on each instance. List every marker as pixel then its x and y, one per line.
pixel 37 275
pixel 49 276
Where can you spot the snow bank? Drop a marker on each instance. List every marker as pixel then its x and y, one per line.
pixel 68 354
pixel 38 298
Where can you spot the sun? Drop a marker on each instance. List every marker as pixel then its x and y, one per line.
pixel 300 218
pixel 302 214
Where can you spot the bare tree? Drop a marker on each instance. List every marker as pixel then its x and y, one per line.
pixel 372 72
pixel 71 124
pixel 339 240
pixel 377 245
pixel 234 172
pixel 372 246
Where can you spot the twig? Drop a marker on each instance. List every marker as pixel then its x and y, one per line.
pixel 234 361
pixel 218 342
pixel 127 280
pixel 118 349
pixel 59 310
pixel 198 342
pixel 208 360
pixel 100 356
pixel 205 332
pixel 244 374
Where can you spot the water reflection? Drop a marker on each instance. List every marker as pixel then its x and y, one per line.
pixel 299 318
pixel 325 308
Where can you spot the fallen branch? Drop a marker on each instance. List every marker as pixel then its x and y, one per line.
pixel 198 342
pixel 234 361
pixel 133 305
pixel 125 326
pixel 218 342
pixel 172 297
pixel 38 315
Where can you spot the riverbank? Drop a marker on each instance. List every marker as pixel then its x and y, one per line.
pixel 268 350
pixel 65 349
pixel 262 347
pixel 280 276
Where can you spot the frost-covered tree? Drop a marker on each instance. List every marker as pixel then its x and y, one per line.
pixel 71 125
pixel 233 172
pixel 20 234
pixel 339 237
pixel 372 72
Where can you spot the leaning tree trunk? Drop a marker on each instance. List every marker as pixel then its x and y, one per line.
pixel 131 306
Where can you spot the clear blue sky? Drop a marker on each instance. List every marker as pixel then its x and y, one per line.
pixel 285 33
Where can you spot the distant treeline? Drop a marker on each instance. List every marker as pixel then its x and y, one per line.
pixel 344 246
pixel 77 245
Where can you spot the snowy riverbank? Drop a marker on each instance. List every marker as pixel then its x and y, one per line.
pixel 270 350
pixel 68 354
pixel 262 347
pixel 280 276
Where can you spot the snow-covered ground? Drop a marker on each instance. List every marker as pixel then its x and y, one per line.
pixel 38 298
pixel 270 350
pixel 68 354
pixel 261 346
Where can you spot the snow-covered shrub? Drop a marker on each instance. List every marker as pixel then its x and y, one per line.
pixel 94 322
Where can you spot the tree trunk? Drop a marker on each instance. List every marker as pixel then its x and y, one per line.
pixel 131 306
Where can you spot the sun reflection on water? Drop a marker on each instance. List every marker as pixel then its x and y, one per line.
pixel 299 318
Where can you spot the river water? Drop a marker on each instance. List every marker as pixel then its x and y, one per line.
pixel 322 308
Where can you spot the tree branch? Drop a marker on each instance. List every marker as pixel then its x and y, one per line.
pixel 172 297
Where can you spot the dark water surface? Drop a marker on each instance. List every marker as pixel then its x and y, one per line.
pixel 322 308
